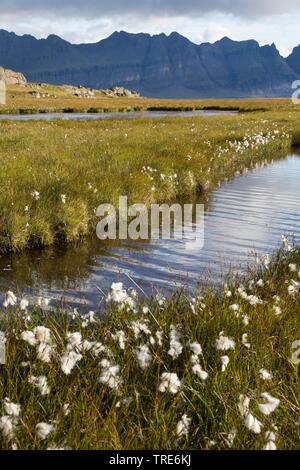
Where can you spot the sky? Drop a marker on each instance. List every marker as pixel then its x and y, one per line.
pixel 79 21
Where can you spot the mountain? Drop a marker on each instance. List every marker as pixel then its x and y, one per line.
pixel 157 66
pixel 293 60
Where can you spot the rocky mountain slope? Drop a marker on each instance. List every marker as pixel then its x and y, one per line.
pixel 12 78
pixel 156 66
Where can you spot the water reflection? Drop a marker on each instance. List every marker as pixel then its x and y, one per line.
pixel 248 213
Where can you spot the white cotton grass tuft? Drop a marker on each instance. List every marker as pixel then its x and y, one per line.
pixel 10 408
pixel 224 343
pixel 253 424
pixel 296 354
pixel 69 360
pixel 41 383
pixel 169 382
pixel 250 421
pixel 143 356
pixel 175 345
pixel 120 337
pixel 8 427
pixel 183 426
pixel 270 441
pixel 110 375
pixel 245 341
pixel 225 362
pixel 43 430
pixel 196 348
pixel 45 352
pixel 265 374
pixel 10 299
pixel 270 404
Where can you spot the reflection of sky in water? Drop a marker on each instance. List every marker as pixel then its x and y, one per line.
pixel 249 213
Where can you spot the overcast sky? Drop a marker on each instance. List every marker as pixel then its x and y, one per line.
pixel 266 21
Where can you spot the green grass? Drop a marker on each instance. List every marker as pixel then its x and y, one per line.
pixel 148 418
pixel 96 162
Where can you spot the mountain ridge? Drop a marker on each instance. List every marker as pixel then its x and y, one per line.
pixel 169 66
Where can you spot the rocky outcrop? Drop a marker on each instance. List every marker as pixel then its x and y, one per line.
pixel 12 78
pixel 120 91
pixel 157 66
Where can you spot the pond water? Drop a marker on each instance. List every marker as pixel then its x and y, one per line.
pixel 249 213
pixel 100 116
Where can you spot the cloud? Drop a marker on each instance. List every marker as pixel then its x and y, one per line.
pixel 139 8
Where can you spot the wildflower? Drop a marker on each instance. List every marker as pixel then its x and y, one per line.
pixel 277 310
pixel 74 340
pixel 260 283
pixel 63 198
pixel 296 355
pixel 197 370
pixel 159 337
pixel 270 404
pixel 42 334
pixel 94 347
pixel 42 430
pixel 40 383
pixel 224 343
pixel 119 296
pixel 143 356
pixel 182 428
pixel 196 348
pixel 110 375
pixel 12 409
pixel 139 327
pixel 24 304
pixel 243 405
pixel 8 426
pixel 145 310
pixel 265 375
pixel 225 362
pixel 121 338
pixel 253 424
pixel 271 439
pixel 36 195
pixel 229 440
pixel 66 409
pixel 293 288
pixel 245 341
pixel 45 352
pixel 69 360
pixel 29 337
pixel 175 345
pixel 169 381
pixel 10 300
pixel 293 268
pixel 235 308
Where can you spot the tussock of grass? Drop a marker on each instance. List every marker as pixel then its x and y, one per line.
pixel 136 415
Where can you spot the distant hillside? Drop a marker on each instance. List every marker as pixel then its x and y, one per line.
pixel 156 66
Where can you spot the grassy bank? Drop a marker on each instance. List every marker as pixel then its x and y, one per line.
pixel 55 174
pixel 56 99
pixel 102 384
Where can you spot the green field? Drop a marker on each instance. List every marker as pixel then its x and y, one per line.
pixel 55 174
